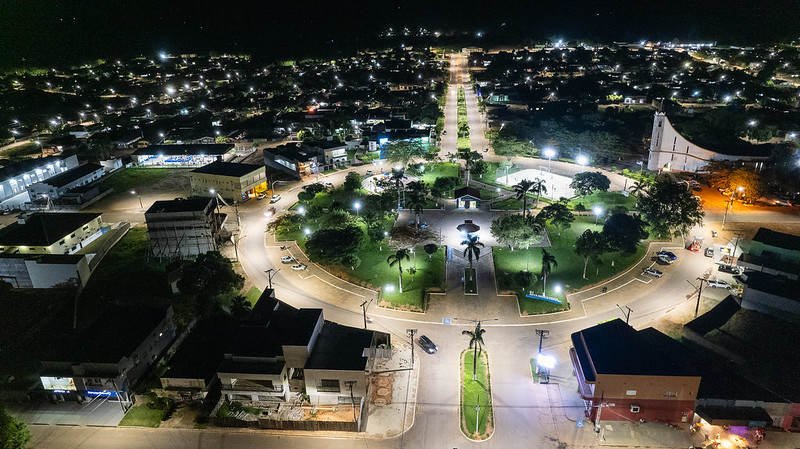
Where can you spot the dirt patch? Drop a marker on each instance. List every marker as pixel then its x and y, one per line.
pixel 183 417
pixel 339 413
pixel 403 308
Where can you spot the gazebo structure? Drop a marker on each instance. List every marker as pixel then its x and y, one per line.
pixel 468 227
pixel 468 198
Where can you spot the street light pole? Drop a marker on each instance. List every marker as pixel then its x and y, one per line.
pixel 627 314
pixel 364 306
pixel 410 333
pixel 699 292
pixel 730 205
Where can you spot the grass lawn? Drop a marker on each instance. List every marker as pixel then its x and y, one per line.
pixel 474 392
pixel 534 375
pixel 129 179
pixel 569 272
pixel 325 199
pixel 508 204
pixel 29 149
pixel 439 170
pixel 606 200
pixel 252 295
pixel 142 416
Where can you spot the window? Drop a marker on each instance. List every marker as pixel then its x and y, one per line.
pixel 630 393
pixel 329 386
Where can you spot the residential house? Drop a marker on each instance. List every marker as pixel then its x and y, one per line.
pixel 773 252
pixel 294 159
pixel 183 227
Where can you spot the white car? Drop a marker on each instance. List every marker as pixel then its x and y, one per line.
pixel 299 267
pixel 666 259
pixel 370 173
pixel 329 185
pixel 287 259
pixel 718 283
pixel 275 198
pixel 653 272
pixel 262 196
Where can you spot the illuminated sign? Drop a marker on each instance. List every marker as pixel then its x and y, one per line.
pixel 58 383
pixel 383 141
pixel 101 393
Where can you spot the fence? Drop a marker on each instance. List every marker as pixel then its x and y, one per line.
pixel 263 423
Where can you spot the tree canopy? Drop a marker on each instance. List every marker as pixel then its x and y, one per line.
pixel 558 214
pixel 590 245
pixel 210 275
pixel 404 151
pixel 624 232
pixel 14 434
pixel 515 230
pixel 587 182
pixel 670 208
pixel 335 245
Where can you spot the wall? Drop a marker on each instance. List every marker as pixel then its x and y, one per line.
pixel 777 306
pixel 15 271
pixel 313 378
pixel 647 387
pixel 180 234
pixel 47 275
pixel 18 184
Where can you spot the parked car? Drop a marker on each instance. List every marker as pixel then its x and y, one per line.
pixel 370 173
pixel 485 150
pixel 714 283
pixel 262 196
pixel 275 198
pixel 287 259
pixel 709 252
pixel 299 267
pixel 732 269
pixel 653 272
pixel 329 185
pixel 667 254
pixel 666 259
pixel 444 131
pixel 425 343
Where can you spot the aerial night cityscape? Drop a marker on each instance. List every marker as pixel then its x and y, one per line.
pixel 399 224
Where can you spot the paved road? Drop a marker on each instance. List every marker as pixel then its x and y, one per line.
pixel 527 415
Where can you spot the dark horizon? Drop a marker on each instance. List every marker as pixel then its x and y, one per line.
pixel 53 32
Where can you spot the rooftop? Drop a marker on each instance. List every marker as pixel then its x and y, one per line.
pixel 209 149
pixel 340 348
pixel 26 165
pixel 228 169
pixel 772 284
pixel 202 351
pixel 464 191
pixel 614 347
pixel 72 175
pixel 285 328
pixel 293 151
pixel 44 228
pixel 777 239
pixel 180 205
pixel 116 334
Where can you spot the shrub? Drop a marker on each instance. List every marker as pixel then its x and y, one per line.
pixel 580 207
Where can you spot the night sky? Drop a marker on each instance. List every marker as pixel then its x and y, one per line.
pixel 68 31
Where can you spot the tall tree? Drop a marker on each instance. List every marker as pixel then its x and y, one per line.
pixel 624 232
pixel 397 179
pixel 415 200
pixel 352 182
pixel 670 208
pixel 404 152
pixel 473 248
pixel 476 344
pixel 470 158
pixel 590 244
pixel 587 182
pixel 558 214
pixel 240 307
pixel 397 259
pixel 538 188
pixel 522 188
pixel 515 230
pixel 14 434
pixel 430 249
pixel 335 245
pixel 548 263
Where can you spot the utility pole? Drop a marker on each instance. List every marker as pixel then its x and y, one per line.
pixel 411 333
pixel 364 306
pixel 699 292
pixel 270 273
pixel 627 314
pixel 542 333
pixel 350 383
pixel 477 414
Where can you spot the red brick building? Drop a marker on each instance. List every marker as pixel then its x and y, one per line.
pixel 633 375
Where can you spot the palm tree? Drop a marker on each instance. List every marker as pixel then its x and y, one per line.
pixel 397 178
pixel 639 187
pixel 522 190
pixel 537 224
pixel 473 248
pixel 548 263
pixel 417 191
pixel 538 188
pixel 470 159
pixel 475 341
pixel 397 259
pixel 240 307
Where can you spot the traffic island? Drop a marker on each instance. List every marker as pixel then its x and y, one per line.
pixel 470 281
pixel 477 415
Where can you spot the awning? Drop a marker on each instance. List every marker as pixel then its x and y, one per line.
pixel 734 416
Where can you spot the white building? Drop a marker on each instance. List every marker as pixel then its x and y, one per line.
pixel 669 151
pixel 56 186
pixel 17 177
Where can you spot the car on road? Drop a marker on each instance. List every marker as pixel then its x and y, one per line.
pixel 329 185
pixel 275 198
pixel 669 255
pixel 299 267
pixel 426 344
pixel 718 283
pixel 666 259
pixel 730 269
pixel 709 252
pixel 262 196
pixel 653 272
pixel 270 212
pixel 369 173
pixel 287 259
pixel 485 150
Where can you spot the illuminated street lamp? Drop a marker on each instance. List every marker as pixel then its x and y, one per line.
pixel 549 153
pixel 598 211
pixel 582 160
pixel 134 192
pixel 729 207
pixel 357 205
